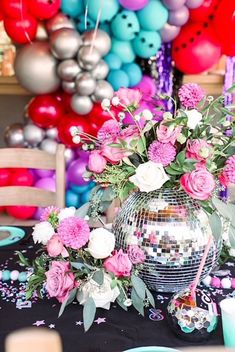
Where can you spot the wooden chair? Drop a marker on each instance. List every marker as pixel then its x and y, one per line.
pixel 34 159
pixel 33 340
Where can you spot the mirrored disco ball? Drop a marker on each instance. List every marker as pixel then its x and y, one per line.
pixel 173 231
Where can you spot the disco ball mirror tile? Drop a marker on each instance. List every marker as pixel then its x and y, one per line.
pixel 173 231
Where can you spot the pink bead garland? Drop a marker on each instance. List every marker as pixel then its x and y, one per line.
pixel 216 282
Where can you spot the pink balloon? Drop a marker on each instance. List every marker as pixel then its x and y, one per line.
pixel 75 172
pixel 133 5
pixel 47 183
pixel 43 173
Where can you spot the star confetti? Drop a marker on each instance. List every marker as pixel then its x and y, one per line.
pixel 100 320
pixel 51 326
pixel 79 322
pixel 39 322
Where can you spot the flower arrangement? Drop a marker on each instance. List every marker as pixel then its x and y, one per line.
pixel 78 262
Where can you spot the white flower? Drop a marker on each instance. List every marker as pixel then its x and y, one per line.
pixel 232 252
pixel 147 115
pixel 73 130
pixel 137 117
pixel 42 232
pixel 101 243
pixel 66 213
pixel 167 115
pixel 194 118
pixel 105 104
pixel 181 138
pixel 115 101
pixel 127 302
pixel 76 139
pixel 149 176
pixel 102 295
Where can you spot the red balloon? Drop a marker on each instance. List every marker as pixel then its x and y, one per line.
pixel 65 99
pixel 2 209
pixel 98 116
pixel 72 120
pixel 203 13
pixel 21 212
pixel 224 26
pixel 196 49
pixel 21 31
pixel 5 175
pixel 15 8
pixel 45 110
pixel 44 9
pixel 22 178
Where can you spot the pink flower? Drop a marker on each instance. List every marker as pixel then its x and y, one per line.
pixel 129 133
pixel 199 149
pixel 198 184
pixel 96 162
pixel 119 264
pixel 113 154
pixel 229 169
pixel 163 153
pixel 60 281
pixel 129 97
pixel 136 254
pixel 55 247
pixel 108 131
pixel 73 232
pixel 166 134
pixel 190 95
pixel 223 179
pixel 49 212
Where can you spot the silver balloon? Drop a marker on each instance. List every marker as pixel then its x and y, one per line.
pixel 179 17
pixel 14 136
pixel 69 87
pixel 85 84
pixel 193 4
pixel 101 70
pixel 169 32
pixel 173 4
pixel 52 133
pixel 41 32
pixel 49 145
pixel 33 134
pixel 81 105
pixel 100 40
pixel 68 70
pixel 59 21
pixel 69 155
pixel 88 57
pixel 103 90
pixel 35 68
pixel 65 43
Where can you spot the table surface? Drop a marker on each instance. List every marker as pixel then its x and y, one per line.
pixel 113 331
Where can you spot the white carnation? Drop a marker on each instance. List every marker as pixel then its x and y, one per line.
pixel 42 232
pixel 194 118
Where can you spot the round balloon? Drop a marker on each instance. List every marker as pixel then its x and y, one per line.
pixel 42 173
pixel 60 20
pixel 14 135
pixel 33 135
pixel 78 189
pixel 21 177
pixel 147 86
pixel 203 12
pixel 113 61
pixel 118 78
pixel 88 57
pixel 98 116
pixel 100 40
pixel 153 16
pixel 49 145
pixel 82 105
pixel 125 25
pixel 65 43
pixel 69 155
pixel 14 8
pixel 47 183
pixel 68 70
pixel 20 30
pixel 102 90
pixel 73 8
pixel 124 50
pixel 85 84
pixel 101 70
pixel 179 17
pixel 133 5
pixel 193 4
pixel 5 175
pixel 21 212
pixel 147 43
pixel 75 172
pixel 107 9
pixel 72 199
pixel 133 72
pixel 174 5
pixel 44 9
pixel 169 32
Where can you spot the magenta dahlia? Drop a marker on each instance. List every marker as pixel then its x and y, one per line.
pixel 190 94
pixel 163 153
pixel 229 169
pixel 73 232
pixel 109 131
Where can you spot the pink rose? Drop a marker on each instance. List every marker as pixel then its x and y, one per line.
pixel 198 149
pixel 60 281
pixel 199 183
pixel 96 162
pixel 55 247
pixel 166 134
pixel 136 254
pixel 113 154
pixel 119 264
pixel 129 97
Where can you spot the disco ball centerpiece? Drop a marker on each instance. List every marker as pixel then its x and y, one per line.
pixel 173 231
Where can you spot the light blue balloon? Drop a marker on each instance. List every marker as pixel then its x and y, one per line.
pixel 153 16
pixel 125 26
pixel 113 61
pixel 91 185
pixel 146 44
pixel 72 199
pixel 118 79
pixel 85 197
pixel 78 189
pixel 108 8
pixel 82 26
pixel 124 50
pixel 106 28
pixel 133 72
pixel 73 8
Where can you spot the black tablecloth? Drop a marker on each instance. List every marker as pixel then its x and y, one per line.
pixel 114 330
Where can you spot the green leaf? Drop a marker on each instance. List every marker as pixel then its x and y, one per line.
pixel 120 300
pixel 149 125
pixel 231 89
pixel 83 210
pixel 150 297
pixel 98 277
pixel 137 302
pixel 223 208
pixel 77 265
pixel 108 194
pixel 22 259
pixel 216 225
pixel 170 171
pixel 141 145
pixel 89 311
pixel 67 301
pixel 181 157
pixel 138 285
pixel 115 145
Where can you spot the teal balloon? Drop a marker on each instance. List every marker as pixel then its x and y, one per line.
pixel 118 79
pixel 146 44
pixel 91 185
pixel 134 73
pixel 6 274
pixel 153 16
pixel 108 9
pixel 85 197
pixel 72 199
pixel 113 61
pixel 78 189
pixel 83 26
pixel 106 28
pixel 73 8
pixel 125 26
pixel 124 50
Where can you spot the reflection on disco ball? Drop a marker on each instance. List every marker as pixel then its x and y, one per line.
pixel 173 231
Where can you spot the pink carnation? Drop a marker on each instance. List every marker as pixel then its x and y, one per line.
pixel 129 97
pixel 73 232
pixel 166 134
pixel 163 153
pixel 49 212
pixel 119 264
pixel 199 149
pixel 108 131
pixel 136 254
pixel 190 94
pixel 229 169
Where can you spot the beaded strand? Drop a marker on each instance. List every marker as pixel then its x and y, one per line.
pixel 14 275
pixel 216 282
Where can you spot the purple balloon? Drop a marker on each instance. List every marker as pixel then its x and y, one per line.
pixel 47 183
pixel 83 155
pixel 179 17
pixel 169 32
pixel 75 172
pixel 37 215
pixel 193 4
pixel 134 5
pixel 43 173
pixel 174 4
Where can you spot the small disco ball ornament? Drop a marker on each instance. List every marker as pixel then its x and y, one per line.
pixel 192 318
pixel 173 231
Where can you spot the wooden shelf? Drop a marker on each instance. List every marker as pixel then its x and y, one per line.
pixel 211 83
pixel 10 86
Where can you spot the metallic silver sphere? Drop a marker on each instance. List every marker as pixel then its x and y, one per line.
pixel 52 133
pixel 88 57
pixel 102 41
pixel 59 21
pixel 69 87
pixel 69 155
pixel 81 105
pixel 14 135
pixel 103 90
pixel 85 84
pixel 65 43
pixel 33 134
pixel 35 68
pixel 49 145
pixel 101 70
pixel 68 70
pixel 41 32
